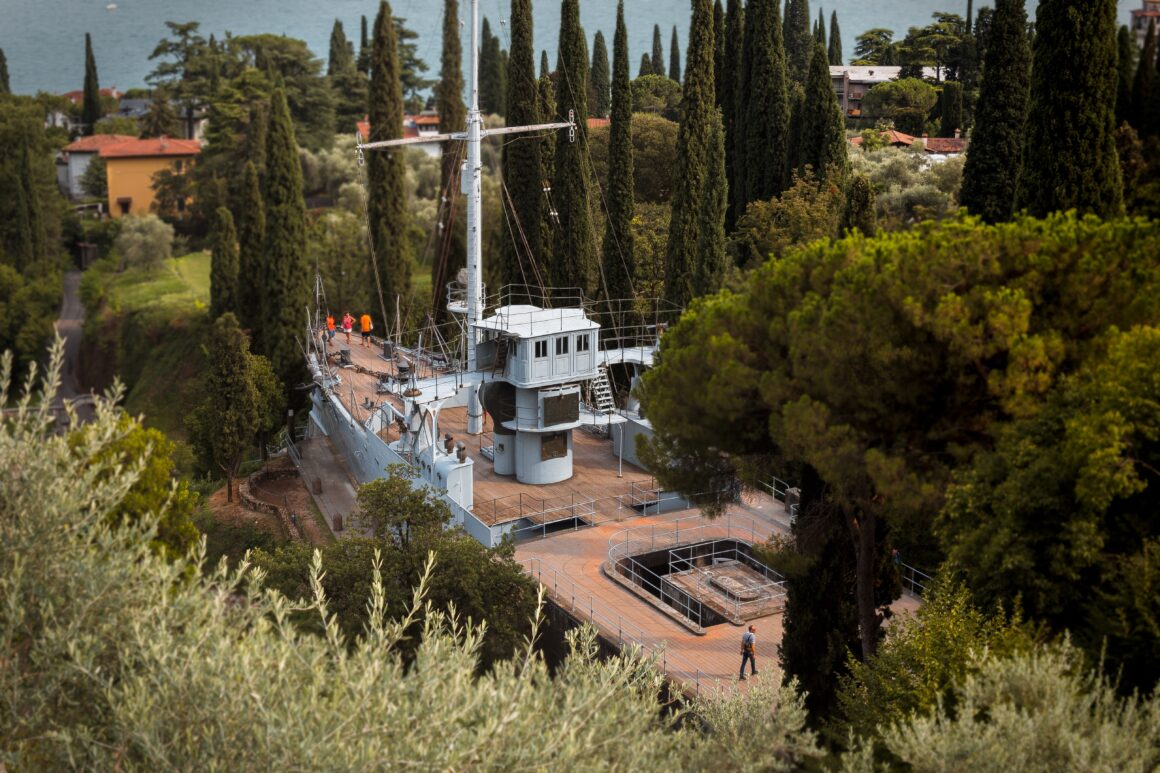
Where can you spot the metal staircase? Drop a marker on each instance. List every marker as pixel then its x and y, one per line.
pixel 501 355
pixel 601 392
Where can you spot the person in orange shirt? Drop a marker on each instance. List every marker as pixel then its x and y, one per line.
pixel 329 326
pixel 366 326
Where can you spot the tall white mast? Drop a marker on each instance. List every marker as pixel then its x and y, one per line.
pixel 473 187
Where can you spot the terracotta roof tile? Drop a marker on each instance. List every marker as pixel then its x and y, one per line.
pixel 156 147
pixel 96 142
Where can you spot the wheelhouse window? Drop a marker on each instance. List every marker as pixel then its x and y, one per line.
pixel 541 349
pixel 583 342
pixel 562 345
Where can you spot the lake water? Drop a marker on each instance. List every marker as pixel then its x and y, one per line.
pixel 44 39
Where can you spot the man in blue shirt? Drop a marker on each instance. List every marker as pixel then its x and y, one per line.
pixel 748 650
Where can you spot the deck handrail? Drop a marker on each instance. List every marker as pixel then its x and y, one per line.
pixel 563 590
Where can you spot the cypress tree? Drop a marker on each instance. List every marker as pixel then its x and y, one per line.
pixel 798 41
pixel 339 59
pixel 490 72
pixel 763 108
pixel 822 130
pixel 674 57
pixel 29 246
pixel 619 258
pixel 387 171
pixel 694 258
pixel 835 41
pixel 547 107
pixel 521 160
pixel 820 31
pixel 1144 86
pixel 5 86
pixel 996 149
pixel 658 53
pixel 730 81
pixel 574 254
pixel 1069 150
pixel 285 281
pixel 364 48
pixel 600 77
pixel 719 54
pixel 251 221
pixel 646 67
pixel 858 212
pixel 91 106
pixel 1126 68
pixel 952 109
pixel 452 117
pixel 223 273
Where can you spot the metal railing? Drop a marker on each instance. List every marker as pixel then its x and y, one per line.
pixel 646 539
pixel 914 580
pixel 768 596
pixel 580 603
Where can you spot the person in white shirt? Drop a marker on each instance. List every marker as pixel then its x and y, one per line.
pixel 748 651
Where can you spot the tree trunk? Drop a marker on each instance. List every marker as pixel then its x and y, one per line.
pixel 866 550
pixel 229 487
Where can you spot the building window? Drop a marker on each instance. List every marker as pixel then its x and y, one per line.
pixel 561 345
pixel 541 349
pixel 583 343
pixel 179 166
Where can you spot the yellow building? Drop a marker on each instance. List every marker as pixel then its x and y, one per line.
pixel 131 165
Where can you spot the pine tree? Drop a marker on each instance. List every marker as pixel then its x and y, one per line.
pixel 695 255
pixel 646 67
pixel 340 58
pixel 658 53
pixel 1072 106
pixel 798 41
pixel 719 54
pixel 27 247
pixel 1126 67
pixel 674 57
pixel 285 280
pixel 364 48
pixel 619 258
pixel 600 77
pixel 521 160
pixel 574 254
pixel 859 212
pixel 820 31
pixel 452 255
pixel 251 221
pixel 763 108
pixel 91 106
pixel 223 273
pixel 952 109
pixel 387 172
pixel 5 86
pixel 822 129
pixel 835 41
pixel 996 149
pixel 731 107
pixel 1144 86
pixel 547 108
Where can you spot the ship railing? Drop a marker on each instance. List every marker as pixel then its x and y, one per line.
pixel 583 606
pixel 679 532
pixel 701 559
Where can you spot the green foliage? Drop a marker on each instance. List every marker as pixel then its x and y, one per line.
pixel 658 52
pixel 223 277
pixel 1038 710
pixel 1073 74
pixel 994 155
pixel 386 171
pixel 675 57
pixel 31 207
pixel 619 259
pixel 650 236
pixel 283 275
pixel 95 180
pixel 1127 54
pixel 251 220
pixel 645 66
pixel 907 188
pixel 573 259
pixel 391 508
pixel 601 78
pixel 951 109
pixel 806 212
pixel 695 259
pixel 240 395
pixel 762 149
pixel 91 105
pixel 799 44
pixel 5 86
pixel 1143 115
pixel 492 85
pixel 411 67
pixel 657 94
pixel 835 50
pixel 874 46
pixel 161 120
pixel 28 309
pixel 348 84
pixel 289 63
pixel 720 69
pixel 821 128
pixel 732 110
pixel 145 241
pixel 924 658
pixel 907 102
pixel 859 212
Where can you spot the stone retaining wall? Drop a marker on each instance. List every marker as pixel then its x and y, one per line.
pixel 253 503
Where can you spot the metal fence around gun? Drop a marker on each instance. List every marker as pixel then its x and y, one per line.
pixel 583 605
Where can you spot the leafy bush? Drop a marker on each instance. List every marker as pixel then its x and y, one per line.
pixel 145 241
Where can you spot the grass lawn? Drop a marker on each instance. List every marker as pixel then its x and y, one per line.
pixel 179 282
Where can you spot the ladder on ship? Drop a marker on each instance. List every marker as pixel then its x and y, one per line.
pixel 501 355
pixel 601 392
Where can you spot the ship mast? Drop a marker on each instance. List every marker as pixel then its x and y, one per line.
pixel 473 187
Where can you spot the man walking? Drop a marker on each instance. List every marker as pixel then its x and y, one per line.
pixel 366 327
pixel 748 650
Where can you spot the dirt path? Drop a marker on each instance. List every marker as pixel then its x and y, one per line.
pixel 70 327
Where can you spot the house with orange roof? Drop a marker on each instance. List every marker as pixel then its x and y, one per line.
pixel 1148 13
pixel 75 158
pixel 131 166
pixel 934 146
